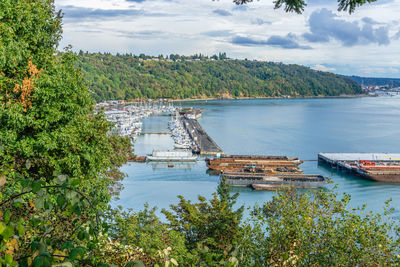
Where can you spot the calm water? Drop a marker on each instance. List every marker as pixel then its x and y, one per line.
pixel 293 127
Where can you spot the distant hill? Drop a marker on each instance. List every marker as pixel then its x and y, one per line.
pixel 132 77
pixel 375 81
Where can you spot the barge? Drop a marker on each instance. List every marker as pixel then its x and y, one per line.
pixel 231 162
pixel 296 180
pixel 251 157
pixel 380 167
pixel 263 172
pixel 256 170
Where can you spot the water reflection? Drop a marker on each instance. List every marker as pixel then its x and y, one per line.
pixel 156 165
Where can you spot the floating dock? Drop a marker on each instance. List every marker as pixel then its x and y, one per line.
pixel 381 167
pixel 204 142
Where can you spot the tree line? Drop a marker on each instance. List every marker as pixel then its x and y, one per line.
pixel 126 76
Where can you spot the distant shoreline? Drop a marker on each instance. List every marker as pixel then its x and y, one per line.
pixel 239 98
pixel 266 97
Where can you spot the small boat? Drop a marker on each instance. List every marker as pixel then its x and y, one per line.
pixel 182 146
pixel 170 165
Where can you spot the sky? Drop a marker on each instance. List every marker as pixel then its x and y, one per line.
pixel 365 43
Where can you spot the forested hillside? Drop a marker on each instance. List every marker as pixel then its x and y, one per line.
pixel 129 77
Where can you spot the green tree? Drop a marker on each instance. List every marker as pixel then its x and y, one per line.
pixel 319 229
pixel 212 230
pixel 126 77
pixel 57 163
pixel 144 230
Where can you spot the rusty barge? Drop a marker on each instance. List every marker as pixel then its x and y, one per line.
pixel 251 163
pixel 263 172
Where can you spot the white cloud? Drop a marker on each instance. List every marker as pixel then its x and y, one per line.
pixel 323 68
pixel 379 70
pixel 187 27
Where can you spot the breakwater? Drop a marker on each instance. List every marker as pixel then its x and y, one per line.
pixel 205 144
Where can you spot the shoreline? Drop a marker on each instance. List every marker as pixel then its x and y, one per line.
pixel 266 98
pixel 124 102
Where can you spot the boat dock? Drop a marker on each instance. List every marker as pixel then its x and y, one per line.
pixel 382 167
pixel 204 142
pixel 334 158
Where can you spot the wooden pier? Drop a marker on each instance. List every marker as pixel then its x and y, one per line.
pixel 204 142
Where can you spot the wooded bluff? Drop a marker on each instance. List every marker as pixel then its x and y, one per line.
pixel 137 77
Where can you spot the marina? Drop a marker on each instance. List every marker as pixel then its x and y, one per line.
pixel 127 117
pixel 293 127
pixel 181 137
pixel 185 130
pixel 380 167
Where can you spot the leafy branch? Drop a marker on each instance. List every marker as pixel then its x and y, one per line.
pixel 298 6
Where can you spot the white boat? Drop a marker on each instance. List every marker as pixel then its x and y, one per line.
pixel 172 155
pixel 182 146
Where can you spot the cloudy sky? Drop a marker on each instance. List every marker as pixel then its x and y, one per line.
pixel 366 43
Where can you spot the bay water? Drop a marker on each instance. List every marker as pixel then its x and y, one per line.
pixel 292 127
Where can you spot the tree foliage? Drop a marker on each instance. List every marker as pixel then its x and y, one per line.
pixel 212 230
pixel 131 77
pixel 317 228
pixel 57 162
pixel 299 5
pixel 320 229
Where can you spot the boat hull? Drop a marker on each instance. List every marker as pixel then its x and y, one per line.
pixel 381 177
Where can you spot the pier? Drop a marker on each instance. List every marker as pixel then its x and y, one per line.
pixel 335 159
pixel 381 167
pixel 204 142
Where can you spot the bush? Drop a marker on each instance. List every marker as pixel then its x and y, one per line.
pixel 319 229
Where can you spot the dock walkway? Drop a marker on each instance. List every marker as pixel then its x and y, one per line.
pixel 204 142
pixel 381 167
pixel 335 158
